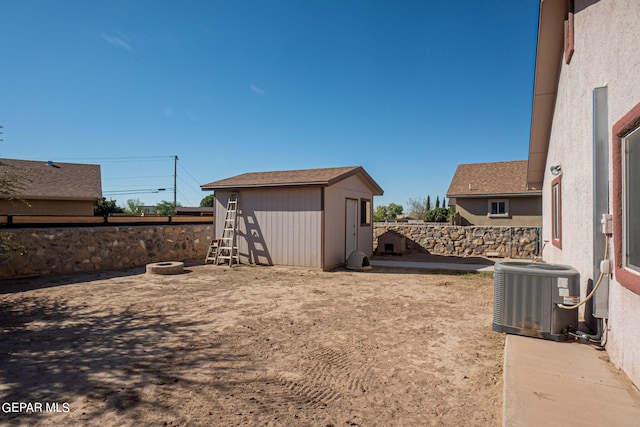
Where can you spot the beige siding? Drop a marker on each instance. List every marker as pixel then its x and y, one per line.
pixel 523 211
pixel 276 226
pixel 47 207
pixel 284 226
pixel 335 205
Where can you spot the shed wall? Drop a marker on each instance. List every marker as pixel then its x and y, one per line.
pixel 276 226
pixel 335 202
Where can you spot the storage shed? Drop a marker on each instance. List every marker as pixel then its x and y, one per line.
pixel 311 218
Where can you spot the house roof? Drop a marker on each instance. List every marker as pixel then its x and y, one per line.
pixel 545 85
pixel 60 181
pixel 193 210
pixel 491 179
pixel 293 178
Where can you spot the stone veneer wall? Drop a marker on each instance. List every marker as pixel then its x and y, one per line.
pixel 87 249
pixel 513 242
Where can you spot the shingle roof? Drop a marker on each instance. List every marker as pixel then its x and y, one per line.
pixel 61 181
pixel 486 179
pixel 293 178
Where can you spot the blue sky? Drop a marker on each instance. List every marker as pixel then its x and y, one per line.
pixel 406 89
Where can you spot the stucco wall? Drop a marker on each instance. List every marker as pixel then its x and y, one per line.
pixel 607 53
pixel 449 240
pixel 87 249
pixel 523 211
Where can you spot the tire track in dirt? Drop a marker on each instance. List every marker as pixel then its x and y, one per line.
pixel 325 364
pixel 315 375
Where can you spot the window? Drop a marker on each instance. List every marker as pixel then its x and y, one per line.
pixel 631 200
pixel 365 212
pixel 556 212
pixel 626 199
pixel 498 208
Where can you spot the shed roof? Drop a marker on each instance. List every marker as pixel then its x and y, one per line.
pixel 60 181
pixel 293 178
pixel 491 179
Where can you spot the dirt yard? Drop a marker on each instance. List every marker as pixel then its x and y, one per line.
pixel 250 346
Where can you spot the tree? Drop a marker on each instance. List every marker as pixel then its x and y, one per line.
pixel 437 202
pixel 379 213
pixel 418 207
pixel 207 202
pixel 9 187
pixel 437 215
pixel 428 204
pixel 393 210
pixel 382 213
pixel 166 208
pixel 134 206
pixel 8 246
pixel 444 202
pixel 106 207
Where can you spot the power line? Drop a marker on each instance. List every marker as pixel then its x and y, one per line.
pixel 121 158
pixel 198 191
pixel 189 202
pixel 137 177
pixel 192 177
pixel 137 191
pixel 140 159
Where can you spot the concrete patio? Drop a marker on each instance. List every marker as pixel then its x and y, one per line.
pixel 564 384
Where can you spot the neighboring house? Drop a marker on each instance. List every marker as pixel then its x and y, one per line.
pixel 193 211
pixel 50 188
pixel 495 194
pixel 312 218
pixel 148 210
pixel 410 217
pixel 584 153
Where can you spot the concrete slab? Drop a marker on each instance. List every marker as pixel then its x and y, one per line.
pixel 564 384
pixel 448 266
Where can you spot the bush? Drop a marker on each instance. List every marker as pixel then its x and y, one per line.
pixel 106 207
pixel 437 215
pixel 207 202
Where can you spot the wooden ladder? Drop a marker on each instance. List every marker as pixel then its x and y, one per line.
pixel 227 245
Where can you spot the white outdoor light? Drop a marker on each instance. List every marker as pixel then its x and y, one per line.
pixel 555 170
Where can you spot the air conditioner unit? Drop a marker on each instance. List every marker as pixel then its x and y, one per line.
pixel 526 297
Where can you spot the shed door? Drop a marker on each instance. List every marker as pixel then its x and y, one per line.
pixel 351 227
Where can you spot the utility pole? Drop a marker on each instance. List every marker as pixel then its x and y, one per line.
pixel 175 175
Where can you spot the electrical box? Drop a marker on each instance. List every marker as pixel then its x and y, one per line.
pixel 607 224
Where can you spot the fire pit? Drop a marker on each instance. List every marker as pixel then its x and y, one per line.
pixel 167 267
